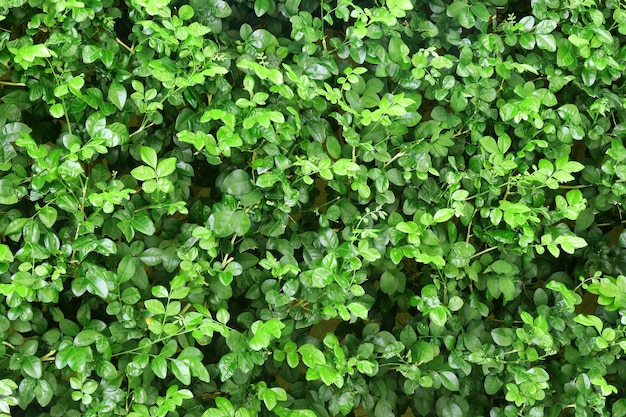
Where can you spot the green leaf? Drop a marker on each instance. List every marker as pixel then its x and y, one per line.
pixel 149 156
pixel 546 42
pixel 438 315
pixel 398 8
pixel 143 173
pixel 96 285
pixel 446 407
pixel 449 380
pixel 185 12
pixel 345 167
pixel 492 384
pixel 237 183
pixel 503 336
pixel 460 195
pixel 73 356
pixel 126 269
pixel 169 349
pixel 8 195
pixel 32 52
pixel 456 8
pixel 261 39
pixel 545 26
pixel 311 355
pixel 6 256
pixel 6 151
pixel 321 277
pixel 443 215
pixel 143 224
pixel 359 310
pixel 589 320
pixel 228 222
pixel 86 337
pixel 44 392
pixel 388 283
pixel 333 146
pixel 227 365
pixel 31 365
pixel 75 84
pixel 369 368
pixel 155 306
pixel 261 7
pixel 117 95
pixel 130 296
pixel 507 287
pixel 47 215
pixel 7 386
pixel 158 365
pixel 181 371
pixel 466 18
pixel 398 51
pixel 166 167
pixel 619 408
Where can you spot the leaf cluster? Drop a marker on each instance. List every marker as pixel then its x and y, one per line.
pixel 320 208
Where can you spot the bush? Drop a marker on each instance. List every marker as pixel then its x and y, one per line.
pixel 312 208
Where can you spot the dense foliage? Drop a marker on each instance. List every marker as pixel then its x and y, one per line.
pixel 311 208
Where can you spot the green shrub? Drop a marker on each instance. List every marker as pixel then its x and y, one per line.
pixel 312 208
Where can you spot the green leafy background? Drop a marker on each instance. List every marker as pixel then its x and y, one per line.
pixel 312 208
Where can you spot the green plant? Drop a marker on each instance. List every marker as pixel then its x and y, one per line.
pixel 277 207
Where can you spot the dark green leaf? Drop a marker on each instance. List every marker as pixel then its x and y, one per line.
pixel 237 183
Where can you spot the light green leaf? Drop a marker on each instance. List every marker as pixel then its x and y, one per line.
pixel 158 365
pixel 590 321
pixel 181 371
pixel 117 95
pixel 57 110
pixel 149 156
pixel 47 215
pixel 154 306
pixel 32 52
pixel 143 173
pixel 166 167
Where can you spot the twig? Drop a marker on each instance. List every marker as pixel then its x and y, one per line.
pixel 575 187
pixel 129 49
pixel 12 84
pixel 476 255
pixel 49 356
pixel 396 156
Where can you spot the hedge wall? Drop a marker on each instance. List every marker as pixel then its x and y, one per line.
pixel 312 208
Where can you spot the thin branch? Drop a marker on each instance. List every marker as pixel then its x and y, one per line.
pixel 396 156
pixel 476 255
pixel 12 84
pixel 129 49
pixel 141 129
pixel 575 187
